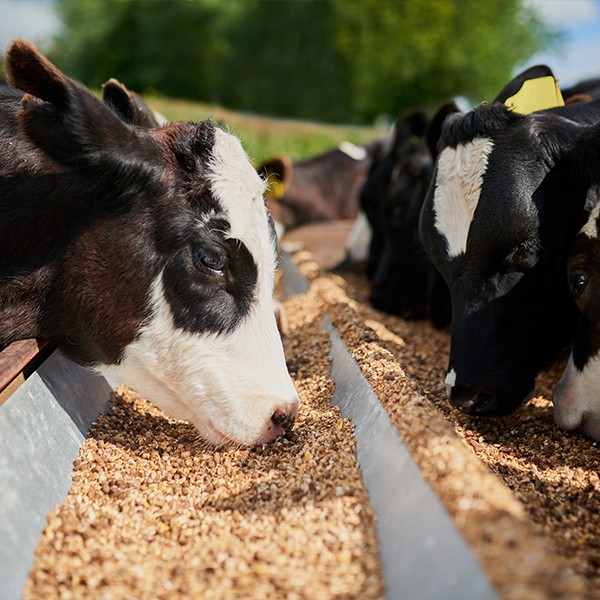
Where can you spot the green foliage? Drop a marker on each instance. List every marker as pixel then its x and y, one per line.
pixel 171 46
pixel 285 63
pixel 329 60
pixel 420 53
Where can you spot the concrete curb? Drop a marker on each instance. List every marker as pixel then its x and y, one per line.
pixel 42 427
pixel 422 553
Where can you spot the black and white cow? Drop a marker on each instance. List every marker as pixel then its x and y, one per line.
pixel 147 255
pixel 404 281
pixel 577 395
pixel 322 188
pixel 506 201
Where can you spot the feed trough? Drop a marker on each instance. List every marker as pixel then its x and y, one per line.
pixel 380 495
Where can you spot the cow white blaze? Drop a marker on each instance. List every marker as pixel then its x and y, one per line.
pixel 227 383
pixel 590 229
pixel 460 174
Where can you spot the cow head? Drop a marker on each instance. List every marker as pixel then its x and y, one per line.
pixel 496 225
pixel 577 396
pixel 151 253
pixel 392 196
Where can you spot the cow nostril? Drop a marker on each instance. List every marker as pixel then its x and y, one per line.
pixel 283 419
pixel 473 401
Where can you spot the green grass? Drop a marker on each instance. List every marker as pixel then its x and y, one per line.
pixel 264 137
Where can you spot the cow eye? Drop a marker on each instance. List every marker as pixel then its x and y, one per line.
pixel 577 283
pixel 209 259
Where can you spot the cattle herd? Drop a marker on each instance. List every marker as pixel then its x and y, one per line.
pixel 145 250
pixel 498 202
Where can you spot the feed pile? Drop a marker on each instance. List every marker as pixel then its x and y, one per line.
pixel 154 513
pixel 524 494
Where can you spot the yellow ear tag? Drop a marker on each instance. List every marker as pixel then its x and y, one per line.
pixel 275 187
pixel 536 94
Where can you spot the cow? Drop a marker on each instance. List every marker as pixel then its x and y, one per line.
pixel 576 397
pixel 322 188
pixel 145 254
pixel 404 282
pixel 505 204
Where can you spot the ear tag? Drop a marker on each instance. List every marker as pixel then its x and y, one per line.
pixel 275 187
pixel 536 94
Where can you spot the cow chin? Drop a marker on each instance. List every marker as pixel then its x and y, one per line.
pixel 221 414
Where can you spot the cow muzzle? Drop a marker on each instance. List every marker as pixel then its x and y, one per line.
pixel 479 402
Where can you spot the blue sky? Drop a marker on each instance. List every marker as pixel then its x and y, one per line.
pixel 580 57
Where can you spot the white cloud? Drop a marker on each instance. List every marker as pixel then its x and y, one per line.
pixel 32 19
pixel 565 13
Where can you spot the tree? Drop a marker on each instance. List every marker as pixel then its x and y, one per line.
pixel 329 60
pixel 284 62
pixel 406 54
pixel 172 46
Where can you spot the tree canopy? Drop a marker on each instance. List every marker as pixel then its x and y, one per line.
pixel 328 60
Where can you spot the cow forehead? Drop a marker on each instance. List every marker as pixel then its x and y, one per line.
pixel 239 191
pixel 460 172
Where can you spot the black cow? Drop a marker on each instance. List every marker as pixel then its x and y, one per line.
pixel 506 202
pixel 404 280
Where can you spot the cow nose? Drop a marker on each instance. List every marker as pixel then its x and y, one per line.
pixel 283 419
pixel 475 402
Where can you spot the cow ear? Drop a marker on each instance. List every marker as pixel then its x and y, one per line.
pixel 66 120
pixel 409 129
pixel 434 130
pixel 277 172
pixel 27 70
pixel 515 84
pixel 130 107
pixel 117 96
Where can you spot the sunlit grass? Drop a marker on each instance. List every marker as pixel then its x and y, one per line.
pixel 265 137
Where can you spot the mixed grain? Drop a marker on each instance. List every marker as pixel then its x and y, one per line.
pixel 154 513
pixel 523 493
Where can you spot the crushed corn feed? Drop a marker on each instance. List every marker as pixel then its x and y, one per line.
pixel 154 513
pixel 524 494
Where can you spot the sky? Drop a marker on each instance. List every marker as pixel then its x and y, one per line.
pixel 580 19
